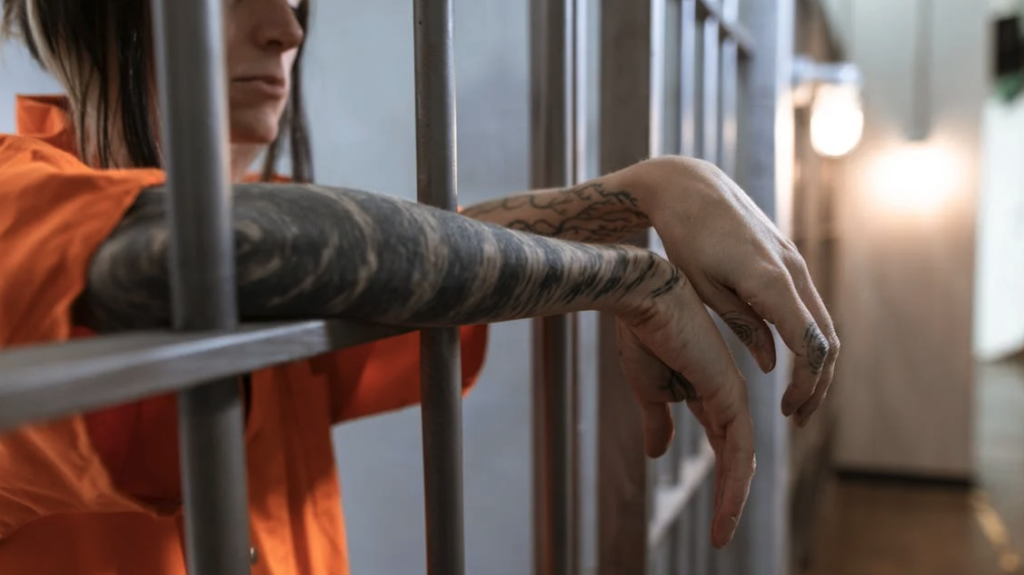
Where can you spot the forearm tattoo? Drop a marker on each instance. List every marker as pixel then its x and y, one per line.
pixel 589 213
pixel 307 251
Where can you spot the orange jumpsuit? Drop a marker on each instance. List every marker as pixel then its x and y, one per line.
pixel 99 494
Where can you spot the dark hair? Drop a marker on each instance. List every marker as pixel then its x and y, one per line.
pixel 79 33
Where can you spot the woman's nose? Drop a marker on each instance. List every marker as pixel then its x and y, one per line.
pixel 278 25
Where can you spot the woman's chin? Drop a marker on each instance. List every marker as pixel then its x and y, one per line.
pixel 257 126
pixel 255 135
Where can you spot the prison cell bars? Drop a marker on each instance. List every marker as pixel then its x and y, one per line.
pixel 55 380
pixel 696 78
pixel 553 26
pixel 206 351
pixel 202 258
pixel 440 369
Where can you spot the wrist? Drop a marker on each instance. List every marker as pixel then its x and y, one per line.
pixel 652 276
pixel 661 181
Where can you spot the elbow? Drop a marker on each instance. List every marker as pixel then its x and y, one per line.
pixel 127 284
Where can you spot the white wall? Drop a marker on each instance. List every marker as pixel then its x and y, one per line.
pixel 999 307
pixel 1001 7
pixel 999 323
pixel 906 215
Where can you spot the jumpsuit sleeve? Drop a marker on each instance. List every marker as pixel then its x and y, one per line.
pixel 54 214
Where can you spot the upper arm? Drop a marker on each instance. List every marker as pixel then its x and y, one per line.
pixel 54 214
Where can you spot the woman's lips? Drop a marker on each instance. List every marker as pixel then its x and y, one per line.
pixel 264 86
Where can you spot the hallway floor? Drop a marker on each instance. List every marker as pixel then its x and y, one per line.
pixel 892 528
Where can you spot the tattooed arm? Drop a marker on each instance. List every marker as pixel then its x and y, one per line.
pixel 600 211
pixel 739 262
pixel 306 251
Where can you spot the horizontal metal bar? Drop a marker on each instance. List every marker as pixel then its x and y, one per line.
pixel 670 501
pixel 728 27
pixel 55 380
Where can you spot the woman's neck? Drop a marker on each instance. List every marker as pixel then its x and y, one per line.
pixel 242 158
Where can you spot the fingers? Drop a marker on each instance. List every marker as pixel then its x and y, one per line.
pixel 642 369
pixel 779 302
pixel 817 308
pixel 748 327
pixel 683 337
pixel 734 470
pixel 721 408
pixel 695 349
pixel 658 427
pixel 739 463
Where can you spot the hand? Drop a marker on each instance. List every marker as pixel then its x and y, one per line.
pixel 743 268
pixel 671 351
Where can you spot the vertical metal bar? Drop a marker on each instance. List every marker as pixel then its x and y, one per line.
pixel 729 103
pixel 440 370
pixel 765 171
pixel 672 100
pixel 702 511
pixel 581 108
pixel 191 76
pixel 657 76
pixel 553 79
pixel 629 132
pixel 688 77
pixel 683 531
pixel 709 84
pixel 697 149
pixel 695 527
pixel 730 10
pixel 554 432
pixel 920 124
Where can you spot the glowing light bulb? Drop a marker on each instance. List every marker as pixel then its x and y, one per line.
pixel 837 120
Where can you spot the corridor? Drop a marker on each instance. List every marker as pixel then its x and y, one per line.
pixel 898 528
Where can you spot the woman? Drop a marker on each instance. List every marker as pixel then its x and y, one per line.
pixel 83 236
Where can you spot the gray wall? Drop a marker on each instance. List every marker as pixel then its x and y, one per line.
pixel 19 75
pixel 360 74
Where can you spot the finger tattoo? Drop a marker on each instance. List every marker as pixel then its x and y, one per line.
pixel 816 347
pixel 678 387
pixel 741 327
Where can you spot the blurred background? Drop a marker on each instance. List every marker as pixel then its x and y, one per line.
pixel 895 154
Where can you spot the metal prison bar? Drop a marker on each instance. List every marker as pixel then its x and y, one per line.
pixel 553 26
pixel 655 98
pixel 207 349
pixel 701 78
